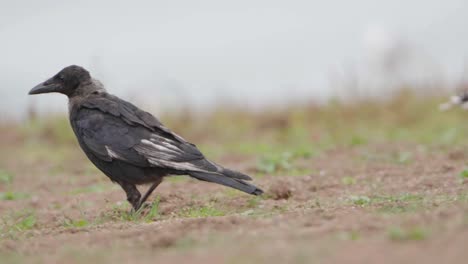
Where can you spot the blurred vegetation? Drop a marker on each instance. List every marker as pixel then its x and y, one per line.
pixel 275 138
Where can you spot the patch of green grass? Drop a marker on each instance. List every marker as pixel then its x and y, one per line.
pixel 357 140
pixel 405 197
pixel 253 201
pixel 409 203
pixel 304 151
pixel 348 180
pixel 154 210
pixel 75 223
pixel 360 200
pixel 16 222
pixel 143 214
pixel 146 215
pixel 121 212
pixel 398 209
pixel 401 203
pixel 411 234
pixel 5 177
pixel 282 162
pixel 200 212
pixel 275 162
pixel 463 175
pixel 12 196
pixel 397 157
pixel 26 223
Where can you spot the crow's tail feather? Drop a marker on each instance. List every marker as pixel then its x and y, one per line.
pixel 235 174
pixel 226 180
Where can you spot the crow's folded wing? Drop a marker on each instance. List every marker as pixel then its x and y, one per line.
pixel 131 114
pixel 114 131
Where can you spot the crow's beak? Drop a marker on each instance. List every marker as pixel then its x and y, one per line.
pixel 48 86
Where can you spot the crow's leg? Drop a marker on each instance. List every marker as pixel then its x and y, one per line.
pixel 133 195
pixel 150 190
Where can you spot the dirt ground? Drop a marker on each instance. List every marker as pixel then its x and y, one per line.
pixel 362 204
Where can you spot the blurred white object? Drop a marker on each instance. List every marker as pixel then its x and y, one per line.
pixel 454 100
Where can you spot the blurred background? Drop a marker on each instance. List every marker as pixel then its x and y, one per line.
pixel 176 54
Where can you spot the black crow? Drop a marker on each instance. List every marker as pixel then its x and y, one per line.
pixel 130 145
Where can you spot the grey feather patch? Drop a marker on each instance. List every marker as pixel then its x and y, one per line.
pixel 174 165
pixel 155 146
pixel 162 156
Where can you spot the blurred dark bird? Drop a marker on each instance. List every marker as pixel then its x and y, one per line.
pixel 130 145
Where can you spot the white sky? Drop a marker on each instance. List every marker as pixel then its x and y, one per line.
pixel 251 52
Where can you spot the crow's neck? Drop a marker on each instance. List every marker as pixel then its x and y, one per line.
pixel 90 89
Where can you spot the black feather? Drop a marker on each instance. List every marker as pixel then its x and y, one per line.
pixel 227 181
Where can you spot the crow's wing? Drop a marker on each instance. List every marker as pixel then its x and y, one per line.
pixel 115 129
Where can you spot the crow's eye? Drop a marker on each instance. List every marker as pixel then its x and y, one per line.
pixel 60 77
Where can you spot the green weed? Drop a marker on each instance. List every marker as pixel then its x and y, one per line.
pixel 348 180
pixel 5 177
pixel 463 175
pixel 360 200
pixel 200 212
pixel 13 223
pixel 75 223
pixel 11 196
pixel 414 234
pixel 275 162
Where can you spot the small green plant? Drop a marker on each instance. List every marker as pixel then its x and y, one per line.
pixel 141 214
pixel 154 210
pixel 275 163
pixel 26 223
pixel 304 151
pixel 404 197
pixel 199 212
pixel 348 180
pixel 360 200
pixel 357 140
pixel 120 212
pixel 17 222
pixel 463 174
pixel 75 223
pixel 5 177
pixel 11 196
pixel 399 234
pixel 253 201
pixel 396 209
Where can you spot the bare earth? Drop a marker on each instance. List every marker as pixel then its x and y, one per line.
pixel 352 205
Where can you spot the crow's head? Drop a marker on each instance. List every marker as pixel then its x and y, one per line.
pixel 67 81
